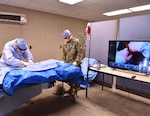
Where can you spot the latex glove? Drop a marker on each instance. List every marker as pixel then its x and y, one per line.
pixel 30 62
pixel 123 56
pixel 74 63
pixel 26 63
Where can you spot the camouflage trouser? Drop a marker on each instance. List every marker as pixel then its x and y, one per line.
pixel 73 88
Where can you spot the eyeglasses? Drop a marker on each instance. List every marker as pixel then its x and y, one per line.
pixel 19 49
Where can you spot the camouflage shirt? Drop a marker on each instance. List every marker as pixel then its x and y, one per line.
pixel 73 51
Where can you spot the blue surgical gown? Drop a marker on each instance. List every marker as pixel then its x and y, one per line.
pixel 11 57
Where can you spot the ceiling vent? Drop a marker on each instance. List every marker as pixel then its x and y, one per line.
pixel 13 17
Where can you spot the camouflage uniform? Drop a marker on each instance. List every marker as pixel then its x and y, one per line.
pixel 73 51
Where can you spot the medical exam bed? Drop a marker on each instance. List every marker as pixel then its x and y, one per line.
pixel 9 103
pixel 18 85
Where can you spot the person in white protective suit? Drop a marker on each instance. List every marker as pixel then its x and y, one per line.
pixel 16 54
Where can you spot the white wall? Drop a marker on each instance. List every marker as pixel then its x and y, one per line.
pixel 135 28
pixel 101 33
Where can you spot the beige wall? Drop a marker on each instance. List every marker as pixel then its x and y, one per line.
pixel 42 31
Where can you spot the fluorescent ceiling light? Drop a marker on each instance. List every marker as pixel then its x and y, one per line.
pixel 117 12
pixel 140 8
pixel 71 2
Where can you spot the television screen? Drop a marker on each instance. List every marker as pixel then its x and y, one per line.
pixel 129 55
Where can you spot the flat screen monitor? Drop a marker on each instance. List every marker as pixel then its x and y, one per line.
pixel 131 55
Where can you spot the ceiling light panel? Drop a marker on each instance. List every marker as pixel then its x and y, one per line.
pixel 140 8
pixel 71 2
pixel 117 12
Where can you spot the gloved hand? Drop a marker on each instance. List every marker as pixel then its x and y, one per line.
pixel 74 63
pixel 30 62
pixel 26 63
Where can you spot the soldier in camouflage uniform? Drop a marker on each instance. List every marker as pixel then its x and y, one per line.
pixel 72 49
pixel 72 53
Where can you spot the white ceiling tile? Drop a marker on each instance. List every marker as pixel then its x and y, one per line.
pixel 90 10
